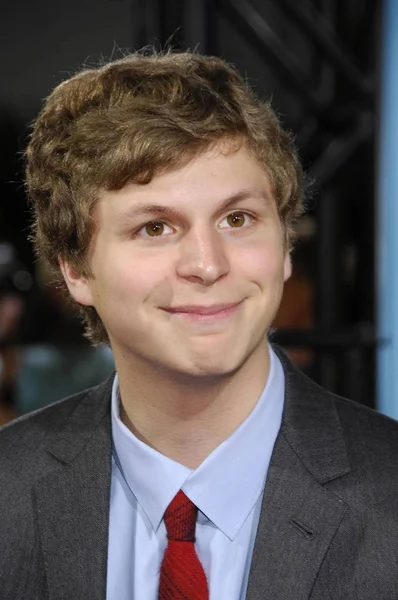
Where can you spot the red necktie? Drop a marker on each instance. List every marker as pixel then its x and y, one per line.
pixel 181 575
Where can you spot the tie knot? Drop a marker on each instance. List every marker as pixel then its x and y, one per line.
pixel 180 518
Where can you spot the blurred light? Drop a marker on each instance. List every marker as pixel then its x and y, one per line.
pixel 7 254
pixel 22 280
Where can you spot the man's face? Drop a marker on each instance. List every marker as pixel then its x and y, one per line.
pixel 204 235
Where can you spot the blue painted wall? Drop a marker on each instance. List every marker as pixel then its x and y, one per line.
pixel 387 260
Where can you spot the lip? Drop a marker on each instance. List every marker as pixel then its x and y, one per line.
pixel 215 309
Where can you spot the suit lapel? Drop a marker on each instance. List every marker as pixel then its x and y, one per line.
pixel 298 521
pixel 72 502
pixel 299 516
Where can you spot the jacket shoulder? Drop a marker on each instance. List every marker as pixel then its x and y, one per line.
pixel 367 432
pixel 22 440
pixel 371 441
pixel 25 458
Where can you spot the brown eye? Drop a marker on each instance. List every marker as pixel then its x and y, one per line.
pixel 236 219
pixel 154 229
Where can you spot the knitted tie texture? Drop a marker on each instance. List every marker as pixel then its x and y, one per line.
pixel 181 575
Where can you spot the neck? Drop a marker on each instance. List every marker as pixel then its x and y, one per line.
pixel 187 418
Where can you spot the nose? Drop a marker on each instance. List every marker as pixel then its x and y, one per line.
pixel 202 256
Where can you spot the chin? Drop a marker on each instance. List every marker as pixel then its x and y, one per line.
pixel 208 367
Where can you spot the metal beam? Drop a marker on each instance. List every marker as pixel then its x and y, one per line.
pixel 340 150
pixel 318 28
pixel 265 40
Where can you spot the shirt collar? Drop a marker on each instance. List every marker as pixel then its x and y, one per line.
pixel 227 485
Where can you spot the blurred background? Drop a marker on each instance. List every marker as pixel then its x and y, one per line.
pixel 328 66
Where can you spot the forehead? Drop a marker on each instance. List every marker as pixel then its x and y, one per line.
pixel 211 177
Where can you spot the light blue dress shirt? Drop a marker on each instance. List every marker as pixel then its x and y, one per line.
pixel 227 488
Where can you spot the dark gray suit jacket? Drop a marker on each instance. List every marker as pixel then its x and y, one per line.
pixel 329 522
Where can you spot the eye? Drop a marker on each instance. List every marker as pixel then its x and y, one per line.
pixel 238 219
pixel 154 229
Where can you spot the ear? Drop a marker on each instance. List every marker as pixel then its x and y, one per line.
pixel 287 266
pixel 80 288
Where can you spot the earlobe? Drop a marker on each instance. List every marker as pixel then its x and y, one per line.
pixel 80 288
pixel 287 267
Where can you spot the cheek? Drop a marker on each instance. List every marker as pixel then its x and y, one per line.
pixel 262 263
pixel 135 278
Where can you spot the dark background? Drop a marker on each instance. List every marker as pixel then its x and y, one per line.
pixel 319 62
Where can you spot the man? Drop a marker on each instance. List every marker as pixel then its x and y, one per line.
pixel 165 196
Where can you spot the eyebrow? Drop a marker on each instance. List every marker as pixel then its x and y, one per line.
pixel 167 211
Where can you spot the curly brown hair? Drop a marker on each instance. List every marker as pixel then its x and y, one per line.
pixel 127 121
